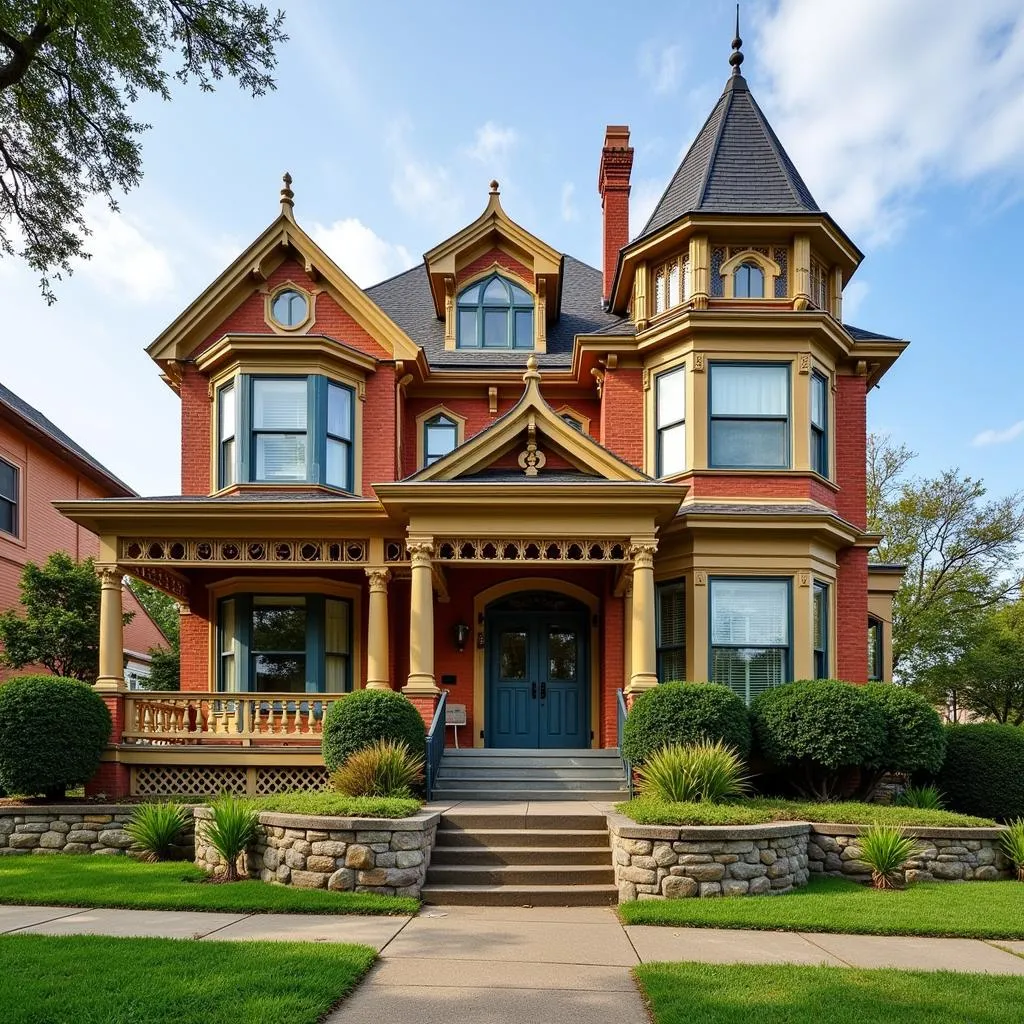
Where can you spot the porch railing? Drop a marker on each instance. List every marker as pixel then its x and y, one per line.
pixel 195 717
pixel 623 711
pixel 435 742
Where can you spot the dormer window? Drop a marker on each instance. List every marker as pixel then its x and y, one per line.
pixel 748 281
pixel 495 313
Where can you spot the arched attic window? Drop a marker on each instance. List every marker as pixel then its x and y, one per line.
pixel 495 313
pixel 748 281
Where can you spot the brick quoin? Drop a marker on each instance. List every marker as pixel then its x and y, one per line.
pixel 622 422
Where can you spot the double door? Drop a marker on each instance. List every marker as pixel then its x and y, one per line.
pixel 537 680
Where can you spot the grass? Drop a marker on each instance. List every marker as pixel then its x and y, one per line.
pixel 789 994
pixel 92 979
pixel 758 810
pixel 338 805
pixel 981 910
pixel 90 881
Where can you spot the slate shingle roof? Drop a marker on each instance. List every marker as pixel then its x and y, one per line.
pixel 735 165
pixel 859 334
pixel 35 419
pixel 406 299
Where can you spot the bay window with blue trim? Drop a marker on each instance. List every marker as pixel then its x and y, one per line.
pixel 284 643
pixel 819 423
pixel 285 430
pixel 749 416
pixel 820 616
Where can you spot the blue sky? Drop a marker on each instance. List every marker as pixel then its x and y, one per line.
pixel 905 117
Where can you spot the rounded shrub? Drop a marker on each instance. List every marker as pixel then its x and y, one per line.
pixel 680 714
pixel 817 730
pixel 916 738
pixel 52 733
pixel 366 716
pixel 983 772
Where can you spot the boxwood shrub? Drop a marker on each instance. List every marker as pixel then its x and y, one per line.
pixel 52 733
pixel 984 770
pixel 684 713
pixel 366 716
pixel 819 730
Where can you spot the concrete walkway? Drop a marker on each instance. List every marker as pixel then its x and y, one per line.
pixel 509 964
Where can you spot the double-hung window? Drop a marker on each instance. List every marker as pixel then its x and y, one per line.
pixel 440 436
pixel 749 415
pixel 280 411
pixel 750 633
pixel 820 615
pixel 671 623
pixel 8 498
pixel 875 641
pixel 227 419
pixel 748 281
pixel 339 436
pixel 670 421
pixel 819 423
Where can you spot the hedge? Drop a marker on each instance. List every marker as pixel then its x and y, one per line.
pixel 984 770
pixel 367 715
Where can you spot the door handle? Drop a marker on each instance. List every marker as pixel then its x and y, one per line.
pixel 543 690
pixel 533 690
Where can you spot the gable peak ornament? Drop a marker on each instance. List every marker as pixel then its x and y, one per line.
pixel 532 461
pixel 287 195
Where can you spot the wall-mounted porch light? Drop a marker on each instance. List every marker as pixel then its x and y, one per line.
pixel 460 633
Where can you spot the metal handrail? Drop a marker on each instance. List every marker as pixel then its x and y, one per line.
pixel 435 742
pixel 623 711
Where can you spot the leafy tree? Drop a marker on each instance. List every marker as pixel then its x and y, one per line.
pixel 164 669
pixel 70 70
pixel 960 549
pixel 161 607
pixel 61 625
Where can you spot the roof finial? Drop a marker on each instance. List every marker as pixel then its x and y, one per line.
pixel 287 195
pixel 532 373
pixel 494 187
pixel 736 57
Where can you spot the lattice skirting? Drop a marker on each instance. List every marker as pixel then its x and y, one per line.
pixel 209 780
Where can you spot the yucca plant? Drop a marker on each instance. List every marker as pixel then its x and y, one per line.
pixel 384 768
pixel 885 849
pixel 703 771
pixel 922 797
pixel 1013 845
pixel 155 829
pixel 231 831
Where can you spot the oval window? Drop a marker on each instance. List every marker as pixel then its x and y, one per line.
pixel 289 308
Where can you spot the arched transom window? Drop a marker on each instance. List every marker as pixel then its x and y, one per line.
pixel 748 281
pixel 495 313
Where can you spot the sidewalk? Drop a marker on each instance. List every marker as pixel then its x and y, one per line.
pixel 512 964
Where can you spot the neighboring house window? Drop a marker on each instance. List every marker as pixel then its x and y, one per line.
pixel 495 313
pixel 750 629
pixel 749 415
pixel 748 282
pixel 8 498
pixel 284 643
pixel 289 308
pixel 671 623
pixel 440 436
pixel 670 421
pixel 226 412
pixel 819 423
pixel 820 616
pixel 672 283
pixel 875 640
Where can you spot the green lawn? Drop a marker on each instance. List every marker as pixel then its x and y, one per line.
pixel 759 810
pixel 971 909
pixel 90 881
pixel 777 994
pixel 92 979
pixel 338 805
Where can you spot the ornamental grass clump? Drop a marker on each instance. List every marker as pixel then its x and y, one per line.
pixel 926 798
pixel 155 830
pixel 231 831
pixel 1013 846
pixel 885 849
pixel 386 768
pixel 706 771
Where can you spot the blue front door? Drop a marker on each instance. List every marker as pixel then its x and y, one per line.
pixel 537 679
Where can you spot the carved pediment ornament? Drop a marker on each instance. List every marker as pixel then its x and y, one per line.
pixel 532 460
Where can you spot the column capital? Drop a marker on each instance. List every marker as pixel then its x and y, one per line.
pixel 110 575
pixel 421 550
pixel 642 553
pixel 378 578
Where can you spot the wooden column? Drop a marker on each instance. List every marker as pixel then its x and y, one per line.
pixel 643 650
pixel 377 648
pixel 421 620
pixel 111 676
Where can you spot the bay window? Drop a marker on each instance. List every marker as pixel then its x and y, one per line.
pixel 819 616
pixel 819 423
pixel 875 649
pixel 750 633
pixel 671 631
pixel 749 413
pixel 670 421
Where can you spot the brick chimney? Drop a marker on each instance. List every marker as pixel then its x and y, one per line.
pixel 613 185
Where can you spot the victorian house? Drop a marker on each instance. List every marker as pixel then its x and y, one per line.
pixel 510 476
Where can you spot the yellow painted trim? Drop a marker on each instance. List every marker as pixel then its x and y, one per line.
pixel 770 268
pixel 499 590
pixel 421 419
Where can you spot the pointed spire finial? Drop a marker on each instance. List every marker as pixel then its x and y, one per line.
pixel 287 195
pixel 494 187
pixel 736 57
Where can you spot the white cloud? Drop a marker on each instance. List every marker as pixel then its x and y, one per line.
pixel 854 295
pixel 661 67
pixel 1011 433
pixel 123 260
pixel 492 143
pixel 569 211
pixel 364 256
pixel 878 101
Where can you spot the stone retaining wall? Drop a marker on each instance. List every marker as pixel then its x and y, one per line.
pixel 382 855
pixel 69 828
pixel 668 862
pixel 945 854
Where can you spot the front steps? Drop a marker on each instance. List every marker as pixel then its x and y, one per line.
pixel 503 858
pixel 495 774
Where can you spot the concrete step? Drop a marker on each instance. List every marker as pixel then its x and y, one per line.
pixel 484 838
pixel 520 895
pixel 613 773
pixel 521 874
pixel 496 856
pixel 502 819
pixel 528 752
pixel 480 792
pixel 566 785
pixel 491 759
